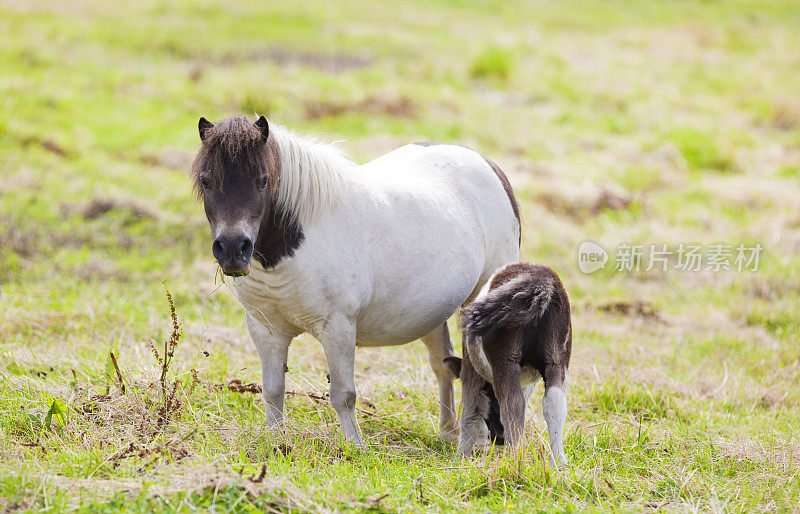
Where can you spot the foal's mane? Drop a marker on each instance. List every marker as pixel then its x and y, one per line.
pixel 304 173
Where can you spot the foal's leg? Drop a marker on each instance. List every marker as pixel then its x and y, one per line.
pixel 339 341
pixel 503 353
pixel 272 348
pixel 527 392
pixel 439 348
pixel 554 408
pixel 475 407
pixel 512 402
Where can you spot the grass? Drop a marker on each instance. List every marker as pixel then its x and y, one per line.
pixel 642 123
pixel 492 62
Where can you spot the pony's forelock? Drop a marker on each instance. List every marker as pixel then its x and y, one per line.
pixel 234 144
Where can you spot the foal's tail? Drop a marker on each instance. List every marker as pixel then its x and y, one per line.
pixel 518 301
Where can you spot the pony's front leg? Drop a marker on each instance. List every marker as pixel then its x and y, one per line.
pixel 273 349
pixel 339 341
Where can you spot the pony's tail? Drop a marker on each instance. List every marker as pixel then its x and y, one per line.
pixel 518 301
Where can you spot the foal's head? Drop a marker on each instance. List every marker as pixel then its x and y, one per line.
pixel 235 173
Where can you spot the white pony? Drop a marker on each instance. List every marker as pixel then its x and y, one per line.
pixel 356 255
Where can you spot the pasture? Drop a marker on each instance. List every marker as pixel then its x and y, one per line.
pixel 636 123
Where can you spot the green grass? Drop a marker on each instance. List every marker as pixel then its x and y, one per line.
pixel 638 122
pixel 492 62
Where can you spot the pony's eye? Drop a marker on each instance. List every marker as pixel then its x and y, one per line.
pixel 205 183
pixel 264 182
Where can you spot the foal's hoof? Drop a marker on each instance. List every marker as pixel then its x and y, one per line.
pixel 462 454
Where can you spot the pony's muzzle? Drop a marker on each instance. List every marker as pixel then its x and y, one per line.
pixel 233 253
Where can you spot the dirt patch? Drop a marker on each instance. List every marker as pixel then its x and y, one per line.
pixel 579 201
pixel 44 143
pixel 329 63
pixel 98 207
pixel 390 105
pixel 770 289
pixel 785 113
pixel 98 270
pixel 338 62
pixel 13 238
pixel 638 309
pixel 170 158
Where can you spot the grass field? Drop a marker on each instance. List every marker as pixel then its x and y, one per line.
pixel 641 122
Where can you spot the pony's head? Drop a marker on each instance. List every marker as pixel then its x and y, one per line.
pixel 235 174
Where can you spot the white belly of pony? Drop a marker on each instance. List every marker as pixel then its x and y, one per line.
pixel 396 305
pixel 409 314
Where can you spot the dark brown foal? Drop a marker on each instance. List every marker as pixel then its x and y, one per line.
pixel 517 330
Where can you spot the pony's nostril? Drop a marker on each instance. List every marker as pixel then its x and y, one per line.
pixel 245 247
pixel 218 249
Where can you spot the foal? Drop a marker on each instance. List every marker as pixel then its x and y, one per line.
pixel 517 330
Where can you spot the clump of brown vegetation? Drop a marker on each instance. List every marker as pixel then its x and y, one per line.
pixel 169 158
pixel 170 403
pixel 326 62
pixel 237 386
pixel 15 238
pixel 98 207
pixel 638 309
pixel 785 113
pixel 46 144
pixel 390 105
pixel 580 201
pixel 139 410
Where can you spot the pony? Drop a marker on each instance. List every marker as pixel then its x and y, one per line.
pixel 516 331
pixel 376 254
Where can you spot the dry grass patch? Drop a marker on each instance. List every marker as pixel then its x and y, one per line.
pixel 582 200
pixel 383 104
pixel 786 113
pixel 98 207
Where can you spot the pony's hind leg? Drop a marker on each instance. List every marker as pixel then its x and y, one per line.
pixel 554 408
pixel 476 407
pixel 439 348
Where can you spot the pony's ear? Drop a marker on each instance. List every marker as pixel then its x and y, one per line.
pixel 202 126
pixel 454 365
pixel 263 126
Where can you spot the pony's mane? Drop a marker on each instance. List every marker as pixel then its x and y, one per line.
pixel 305 174
pixel 310 172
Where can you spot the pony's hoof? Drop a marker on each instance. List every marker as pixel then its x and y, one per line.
pixel 275 427
pixel 450 436
pixel 358 442
pixel 561 463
